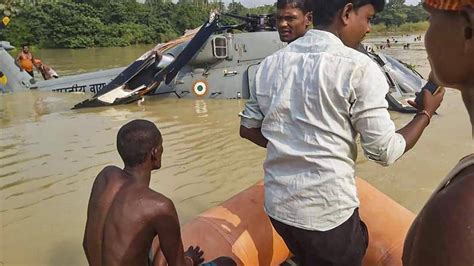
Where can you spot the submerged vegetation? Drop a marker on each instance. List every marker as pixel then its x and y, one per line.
pixel 104 23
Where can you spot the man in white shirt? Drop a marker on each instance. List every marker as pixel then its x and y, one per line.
pixel 311 100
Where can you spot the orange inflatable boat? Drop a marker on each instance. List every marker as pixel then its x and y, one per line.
pixel 239 228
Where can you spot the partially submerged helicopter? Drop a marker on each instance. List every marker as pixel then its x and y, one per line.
pixel 209 62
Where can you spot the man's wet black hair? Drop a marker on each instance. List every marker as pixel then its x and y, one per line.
pixel 303 5
pixel 135 140
pixel 324 11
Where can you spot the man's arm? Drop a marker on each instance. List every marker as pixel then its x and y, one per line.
pixel 17 61
pixel 93 221
pixel 251 120
pixel 168 230
pixel 84 245
pixel 370 117
pixel 254 135
pixel 413 130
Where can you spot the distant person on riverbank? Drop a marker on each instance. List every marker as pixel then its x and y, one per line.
pixel 443 232
pixel 311 101
pixel 294 18
pixel 3 79
pixel 46 71
pixel 24 60
pixel 124 215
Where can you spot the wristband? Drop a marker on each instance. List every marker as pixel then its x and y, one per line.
pixel 424 112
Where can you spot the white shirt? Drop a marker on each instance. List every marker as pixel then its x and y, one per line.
pixel 311 99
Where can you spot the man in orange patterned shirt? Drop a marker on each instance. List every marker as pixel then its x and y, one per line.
pixel 24 60
pixel 443 232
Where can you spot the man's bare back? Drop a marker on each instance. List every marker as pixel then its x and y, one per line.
pixel 124 215
pixel 127 218
pixel 106 185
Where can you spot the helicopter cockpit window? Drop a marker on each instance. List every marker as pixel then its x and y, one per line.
pixel 219 44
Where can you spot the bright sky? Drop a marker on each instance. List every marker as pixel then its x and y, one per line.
pixel 252 3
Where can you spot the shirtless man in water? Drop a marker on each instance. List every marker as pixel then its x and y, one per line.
pixel 124 215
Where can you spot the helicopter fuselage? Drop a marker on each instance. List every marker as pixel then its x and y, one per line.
pixel 224 67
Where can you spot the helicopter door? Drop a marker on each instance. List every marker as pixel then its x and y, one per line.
pixel 251 72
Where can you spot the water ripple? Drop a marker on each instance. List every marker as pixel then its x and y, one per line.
pixel 24 160
pixel 8 174
pixel 22 181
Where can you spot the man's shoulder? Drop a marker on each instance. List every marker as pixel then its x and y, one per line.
pixel 463 185
pixel 275 55
pixel 156 202
pixel 328 46
pixel 354 56
pixel 455 199
pixel 111 171
pixel 111 168
pixel 447 218
pixel 109 175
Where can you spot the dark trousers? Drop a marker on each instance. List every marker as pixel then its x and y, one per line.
pixel 344 245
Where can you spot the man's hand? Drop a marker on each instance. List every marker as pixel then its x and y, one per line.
pixel 430 102
pixel 254 135
pixel 195 254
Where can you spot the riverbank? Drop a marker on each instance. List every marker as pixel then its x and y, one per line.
pixel 76 61
pixel 404 29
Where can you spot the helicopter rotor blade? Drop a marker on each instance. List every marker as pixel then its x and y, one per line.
pixel 123 88
pixel 233 27
pixel 169 73
pixel 246 19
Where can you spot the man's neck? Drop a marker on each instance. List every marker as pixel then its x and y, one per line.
pixel 140 174
pixel 468 98
pixel 331 28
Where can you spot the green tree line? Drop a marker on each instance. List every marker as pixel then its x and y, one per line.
pixel 104 23
pixel 396 13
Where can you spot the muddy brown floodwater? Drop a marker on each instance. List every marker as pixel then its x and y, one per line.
pixel 49 155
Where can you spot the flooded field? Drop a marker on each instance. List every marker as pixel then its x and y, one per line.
pixel 49 156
